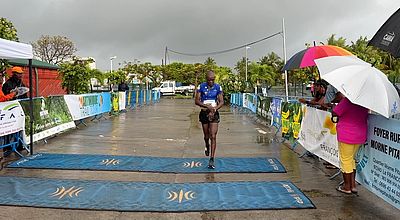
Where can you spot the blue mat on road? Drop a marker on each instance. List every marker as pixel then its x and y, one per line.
pixel 154 197
pixel 148 164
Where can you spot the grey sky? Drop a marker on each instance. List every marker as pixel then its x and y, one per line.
pixel 132 29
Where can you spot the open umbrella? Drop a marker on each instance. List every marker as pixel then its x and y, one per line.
pixel 388 36
pixel 361 83
pixel 307 56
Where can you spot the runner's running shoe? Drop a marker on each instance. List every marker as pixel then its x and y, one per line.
pixel 211 164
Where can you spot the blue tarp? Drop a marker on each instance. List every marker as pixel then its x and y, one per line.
pixel 155 197
pixel 148 164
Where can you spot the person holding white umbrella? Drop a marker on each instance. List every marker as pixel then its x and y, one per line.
pixel 364 87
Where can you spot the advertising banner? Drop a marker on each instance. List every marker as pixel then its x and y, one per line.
pixel 105 102
pixel 115 102
pixel 276 112
pixel 51 116
pixel 83 106
pixel 318 135
pixel 245 100
pixel 378 167
pixel 251 102
pixel 122 100
pixel 12 118
pixel 291 114
pixel 263 106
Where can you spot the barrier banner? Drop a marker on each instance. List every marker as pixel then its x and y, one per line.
pixel 276 112
pixel 105 102
pixel 12 118
pixel 245 100
pixel 128 99
pixel 122 100
pixel 51 116
pixel 263 106
pixel 84 105
pixel 378 167
pixel 251 102
pixel 318 135
pixel 115 102
pixel 291 120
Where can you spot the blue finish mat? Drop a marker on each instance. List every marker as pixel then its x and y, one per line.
pixel 148 164
pixel 154 197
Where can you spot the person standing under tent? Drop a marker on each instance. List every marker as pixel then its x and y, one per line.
pixel 351 129
pixel 209 97
pixel 3 97
pixel 14 82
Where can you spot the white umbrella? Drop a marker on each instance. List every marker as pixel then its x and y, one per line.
pixel 361 83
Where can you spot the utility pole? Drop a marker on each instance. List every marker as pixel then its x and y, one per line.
pixel 165 55
pixel 284 58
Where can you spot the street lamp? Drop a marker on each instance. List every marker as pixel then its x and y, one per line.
pixel 247 47
pixel 111 59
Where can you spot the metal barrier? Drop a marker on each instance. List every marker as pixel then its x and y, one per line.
pixel 12 141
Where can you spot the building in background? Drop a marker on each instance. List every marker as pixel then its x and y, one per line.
pixel 46 79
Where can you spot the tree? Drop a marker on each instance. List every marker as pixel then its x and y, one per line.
pixel 116 77
pixel 53 49
pixel 76 76
pixel 340 42
pixel 210 64
pixel 8 32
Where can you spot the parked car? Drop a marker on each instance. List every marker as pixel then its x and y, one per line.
pixel 171 87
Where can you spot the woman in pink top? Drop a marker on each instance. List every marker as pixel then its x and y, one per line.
pixel 351 133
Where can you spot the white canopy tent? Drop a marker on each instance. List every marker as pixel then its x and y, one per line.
pixel 15 50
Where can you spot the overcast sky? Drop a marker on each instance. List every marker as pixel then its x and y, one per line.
pixel 133 29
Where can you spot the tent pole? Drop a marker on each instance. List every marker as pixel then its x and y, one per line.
pixel 31 107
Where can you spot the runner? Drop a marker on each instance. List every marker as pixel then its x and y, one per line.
pixel 209 97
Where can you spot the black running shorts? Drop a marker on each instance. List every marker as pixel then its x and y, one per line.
pixel 203 117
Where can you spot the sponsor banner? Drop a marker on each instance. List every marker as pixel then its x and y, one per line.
pixel 251 102
pixel 318 135
pixel 51 116
pixel 276 112
pixel 378 167
pixel 83 106
pixel 128 99
pixel 245 100
pixel 291 114
pixel 114 102
pixel 263 106
pixel 12 118
pixel 122 100
pixel 105 102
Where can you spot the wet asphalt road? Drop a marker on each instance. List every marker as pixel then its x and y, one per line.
pixel 170 128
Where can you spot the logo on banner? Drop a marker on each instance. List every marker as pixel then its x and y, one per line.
pixel 394 107
pixel 110 162
pixel 180 196
pixel 11 111
pixel 192 164
pixel 71 192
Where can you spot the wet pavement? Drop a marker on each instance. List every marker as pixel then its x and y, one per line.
pixel 170 128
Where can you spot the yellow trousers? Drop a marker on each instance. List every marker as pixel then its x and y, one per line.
pixel 347 152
